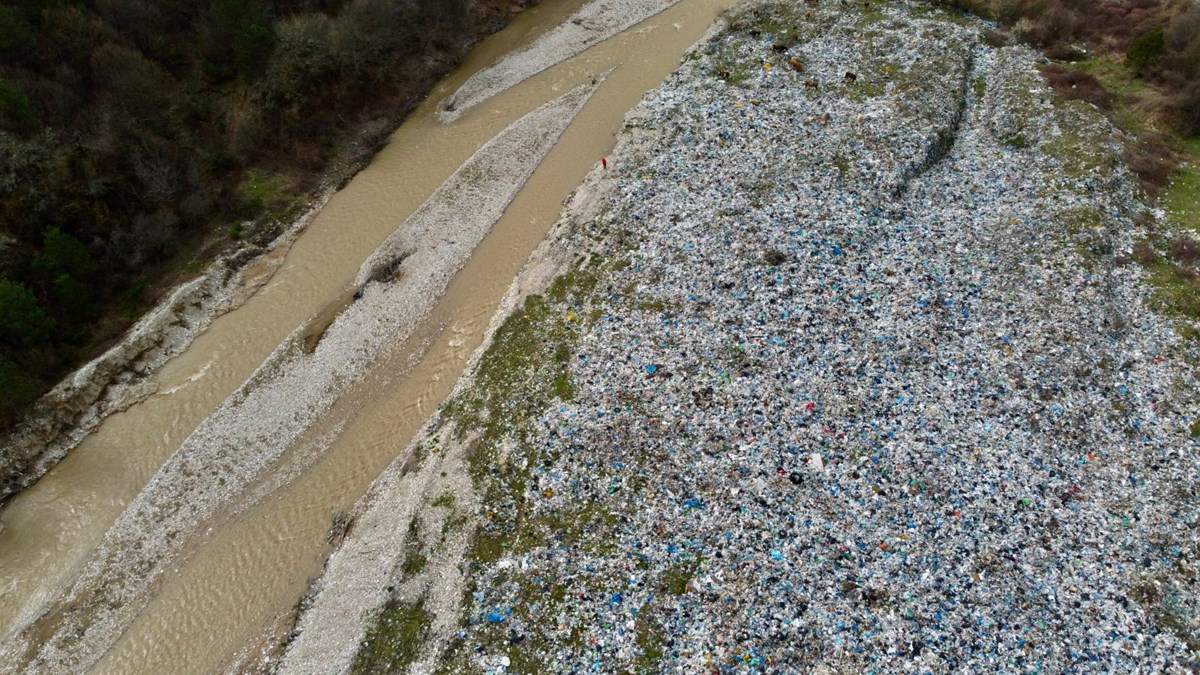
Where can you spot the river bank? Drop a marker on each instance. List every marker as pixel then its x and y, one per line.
pixel 850 371
pixel 298 383
pixel 594 23
pixel 235 577
pixel 121 376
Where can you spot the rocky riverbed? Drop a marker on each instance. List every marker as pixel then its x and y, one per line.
pixel 215 475
pixel 848 370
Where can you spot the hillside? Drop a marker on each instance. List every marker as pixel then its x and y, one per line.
pixel 139 140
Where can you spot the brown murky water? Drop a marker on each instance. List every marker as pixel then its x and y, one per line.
pixel 248 573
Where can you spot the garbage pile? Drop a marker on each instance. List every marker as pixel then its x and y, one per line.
pixel 867 387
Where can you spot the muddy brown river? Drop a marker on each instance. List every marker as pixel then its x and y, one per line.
pixel 234 592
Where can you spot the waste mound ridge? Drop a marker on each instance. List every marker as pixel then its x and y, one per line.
pixel 862 383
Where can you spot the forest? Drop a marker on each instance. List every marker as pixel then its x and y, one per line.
pixel 133 131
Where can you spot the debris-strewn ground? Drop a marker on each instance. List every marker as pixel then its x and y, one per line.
pixel 854 378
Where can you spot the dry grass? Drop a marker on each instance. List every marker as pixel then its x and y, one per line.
pixel 1077 85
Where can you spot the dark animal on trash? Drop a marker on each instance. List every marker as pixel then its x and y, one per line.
pixel 850 78
pixel 774 258
pixel 796 64
pixel 812 84
pixel 779 47
pixel 755 33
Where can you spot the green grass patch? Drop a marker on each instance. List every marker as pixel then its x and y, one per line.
pixel 265 192
pixel 1182 199
pixel 1088 235
pixel 486 548
pixel 938 13
pixel 414 563
pixel 394 639
pixel 656 305
pixel 563 388
pixel 523 372
pixel 870 11
pixel 675 579
pixel 446 499
pixel 1080 149
pixel 1175 292
pixel 649 640
pixel 1113 74
pixel 735 73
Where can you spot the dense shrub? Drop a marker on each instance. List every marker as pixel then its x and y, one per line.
pixel 23 323
pixel 1147 52
pixel 1159 40
pixel 15 112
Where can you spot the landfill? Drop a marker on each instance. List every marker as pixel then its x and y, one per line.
pixel 865 383
pixel 852 373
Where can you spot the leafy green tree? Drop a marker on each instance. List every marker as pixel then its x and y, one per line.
pixel 304 59
pixel 252 47
pixel 17 389
pixel 65 269
pixel 23 323
pixel 249 32
pixel 16 35
pixel 1147 51
pixel 62 254
pixel 15 111
pixel 74 300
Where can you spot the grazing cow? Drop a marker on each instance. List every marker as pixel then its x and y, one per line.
pixel 811 84
pixel 850 77
pixel 796 64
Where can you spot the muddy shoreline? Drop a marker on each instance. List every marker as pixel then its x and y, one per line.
pixel 339 607
pixel 293 388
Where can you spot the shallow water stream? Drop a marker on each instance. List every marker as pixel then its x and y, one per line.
pixel 242 580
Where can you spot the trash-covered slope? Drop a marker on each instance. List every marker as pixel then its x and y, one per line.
pixel 850 375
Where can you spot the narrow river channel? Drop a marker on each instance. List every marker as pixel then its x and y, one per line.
pixel 235 590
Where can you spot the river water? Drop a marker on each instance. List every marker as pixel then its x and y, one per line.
pixel 239 584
